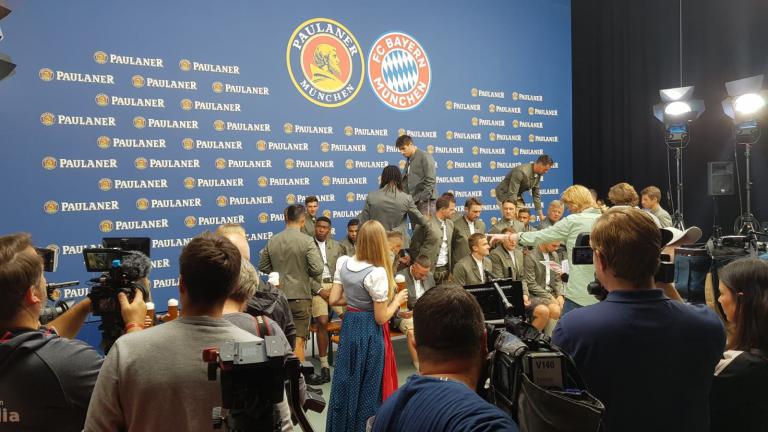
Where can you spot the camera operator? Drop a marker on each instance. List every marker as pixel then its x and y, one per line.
pixel 233 312
pixel 46 380
pixel 648 358
pixel 154 380
pixel 451 344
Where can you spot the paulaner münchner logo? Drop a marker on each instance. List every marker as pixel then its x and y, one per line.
pixel 325 62
pixel 399 71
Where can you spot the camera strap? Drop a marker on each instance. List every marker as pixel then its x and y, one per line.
pixel 262 329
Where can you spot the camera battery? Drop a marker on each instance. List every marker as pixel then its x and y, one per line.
pixel 545 369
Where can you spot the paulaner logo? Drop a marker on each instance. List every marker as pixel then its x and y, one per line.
pixel 399 71
pixel 323 59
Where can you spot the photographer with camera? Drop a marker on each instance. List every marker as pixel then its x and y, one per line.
pixel 451 344
pixel 46 380
pixel 648 358
pixel 154 380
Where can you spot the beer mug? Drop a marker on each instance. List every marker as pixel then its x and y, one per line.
pixel 400 281
pixel 151 312
pixel 173 309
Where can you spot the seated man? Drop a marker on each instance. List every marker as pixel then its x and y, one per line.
pixel 651 198
pixel 475 268
pixel 399 256
pixel 155 379
pixel 638 348
pixel 524 216
pixel 451 344
pixel 418 280
pixel 543 288
pixel 508 259
pixel 46 379
pixel 508 218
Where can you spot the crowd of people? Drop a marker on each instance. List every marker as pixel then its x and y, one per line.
pixel 656 362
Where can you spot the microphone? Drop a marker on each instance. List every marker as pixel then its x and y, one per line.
pixel 49 313
pixel 53 286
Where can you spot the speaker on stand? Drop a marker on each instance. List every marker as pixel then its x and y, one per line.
pixel 720 181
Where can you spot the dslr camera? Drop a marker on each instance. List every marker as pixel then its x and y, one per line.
pixel 582 254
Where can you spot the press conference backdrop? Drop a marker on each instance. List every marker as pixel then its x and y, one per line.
pixel 165 119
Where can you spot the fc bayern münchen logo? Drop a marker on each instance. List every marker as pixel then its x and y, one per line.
pixel 399 71
pixel 325 62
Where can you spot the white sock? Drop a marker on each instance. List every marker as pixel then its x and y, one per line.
pixel 324 362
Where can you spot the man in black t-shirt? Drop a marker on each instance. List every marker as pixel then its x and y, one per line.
pixel 45 380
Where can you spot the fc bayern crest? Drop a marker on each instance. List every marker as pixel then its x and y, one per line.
pixel 325 62
pixel 399 71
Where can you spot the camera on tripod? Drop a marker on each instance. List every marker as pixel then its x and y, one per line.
pixel 122 270
pixel 582 254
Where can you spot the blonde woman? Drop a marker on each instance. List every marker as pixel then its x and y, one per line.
pixel 584 213
pixel 365 372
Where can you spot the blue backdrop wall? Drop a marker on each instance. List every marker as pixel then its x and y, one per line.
pixel 164 119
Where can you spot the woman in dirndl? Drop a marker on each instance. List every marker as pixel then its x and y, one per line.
pixel 365 372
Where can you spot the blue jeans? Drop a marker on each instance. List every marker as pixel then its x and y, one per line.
pixel 569 306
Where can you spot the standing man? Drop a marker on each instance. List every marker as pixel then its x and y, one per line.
pixel 418 280
pixel 296 257
pixel 651 198
pixel 419 175
pixel 330 251
pixel 472 269
pixel 162 366
pixel 525 178
pixel 639 348
pixel 312 204
pixel 390 205
pixel 433 239
pixel 544 294
pixel 464 225
pixel 348 243
pixel 508 218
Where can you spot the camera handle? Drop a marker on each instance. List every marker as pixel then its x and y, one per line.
pixel 292 369
pixel 508 308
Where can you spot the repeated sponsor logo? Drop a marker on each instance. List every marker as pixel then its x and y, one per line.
pixel 140 81
pixel 103 99
pixel 144 203
pixel 191 182
pixel 543 138
pixel 49 119
pixel 486 179
pixel 106 184
pixel 527 97
pixel 298 163
pixel 449 179
pixel 551 191
pixel 476 121
pixel 532 111
pixel 49 75
pixel 343 181
pixel 503 165
pixel 102 57
pixel 52 207
pixel 432 149
pixel 222 163
pixel 220 87
pixel 108 225
pixel 493 108
pixel 193 221
pixel 497 94
pixel 325 62
pixel 290 128
pixel 523 151
pixel 51 163
pixel 190 144
pixel 463 165
pixel 477 150
pixel 187 65
pixel 399 71
pixel 430 134
pixel 457 135
pixel 221 125
pixel 265 181
pixel 450 105
pixel 352 164
pixel 493 136
pixel 355 131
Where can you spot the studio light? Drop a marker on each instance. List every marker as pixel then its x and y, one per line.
pixel 677 110
pixel 745 104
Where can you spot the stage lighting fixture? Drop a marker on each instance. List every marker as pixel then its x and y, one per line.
pixel 677 110
pixel 745 104
pixel 6 66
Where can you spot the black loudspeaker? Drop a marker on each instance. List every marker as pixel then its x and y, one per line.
pixel 720 178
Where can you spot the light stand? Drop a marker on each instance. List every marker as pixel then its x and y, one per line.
pixel 677 111
pixel 745 104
